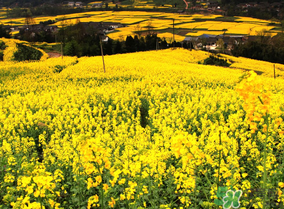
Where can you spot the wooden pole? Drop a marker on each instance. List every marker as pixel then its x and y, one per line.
pixel 173 32
pixel 61 50
pixel 274 72
pixel 157 44
pixel 102 54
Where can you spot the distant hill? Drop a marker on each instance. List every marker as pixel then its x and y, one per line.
pixel 27 3
pixel 247 1
pixel 24 3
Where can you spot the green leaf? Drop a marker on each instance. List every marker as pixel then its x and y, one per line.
pixel 236 204
pixel 236 199
pixel 226 199
pixel 221 192
pixel 218 202
pixel 238 193
pixel 227 205
pixel 230 194
pixel 223 189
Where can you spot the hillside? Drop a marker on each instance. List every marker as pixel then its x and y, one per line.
pixel 16 50
pixel 191 61
pixel 8 3
pixel 156 130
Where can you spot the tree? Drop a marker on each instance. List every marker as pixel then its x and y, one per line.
pixel 264 35
pixel 282 25
pixel 138 29
pixel 129 44
pixel 136 43
pixel 62 33
pixel 221 45
pixel 4 33
pixel 79 31
pixel 151 40
pixel 142 44
pixel 72 48
pixel 108 47
pixel 117 47
pixel 149 27
pixel 29 20
pixel 164 44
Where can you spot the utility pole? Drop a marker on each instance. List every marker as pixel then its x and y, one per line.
pixel 173 32
pixel 63 27
pixel 102 52
pixel 274 72
pixel 61 49
pixel 157 44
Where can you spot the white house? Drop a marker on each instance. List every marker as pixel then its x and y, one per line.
pixel 71 3
pixel 79 4
pixel 97 5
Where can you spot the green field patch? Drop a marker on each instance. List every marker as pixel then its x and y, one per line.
pixel 177 24
pixel 14 22
pixel 227 19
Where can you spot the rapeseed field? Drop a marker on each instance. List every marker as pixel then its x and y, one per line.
pixel 156 130
pixel 161 23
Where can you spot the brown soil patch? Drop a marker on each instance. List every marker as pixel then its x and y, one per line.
pixel 183 32
pixel 53 54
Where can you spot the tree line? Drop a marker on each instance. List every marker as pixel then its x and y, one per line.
pixel 42 10
pixel 84 40
pixel 79 40
pixel 46 8
pixel 91 45
pixel 263 48
pixel 231 9
pixel 226 2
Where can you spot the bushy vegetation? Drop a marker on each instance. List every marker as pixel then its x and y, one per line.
pixel 2 48
pixel 4 33
pixel 79 42
pixel 174 3
pixel 263 48
pixel 216 60
pixel 26 53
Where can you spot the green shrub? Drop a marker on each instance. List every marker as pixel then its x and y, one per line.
pixel 1 55
pixel 216 60
pixel 2 45
pixel 58 68
pixel 26 53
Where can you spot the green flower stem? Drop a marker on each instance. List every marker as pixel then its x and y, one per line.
pixel 195 174
pixel 264 162
pixel 203 187
pixel 198 174
pixel 219 166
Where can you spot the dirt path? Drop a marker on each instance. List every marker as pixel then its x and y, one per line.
pixel 53 54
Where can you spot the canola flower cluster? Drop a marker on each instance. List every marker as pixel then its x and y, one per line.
pixel 157 130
